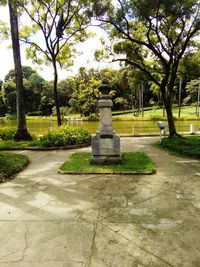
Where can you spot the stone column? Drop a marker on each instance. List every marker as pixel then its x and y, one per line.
pixel 105 122
pixel 106 143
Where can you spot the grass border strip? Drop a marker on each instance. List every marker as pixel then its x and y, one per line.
pixel 11 175
pixel 46 148
pixel 107 173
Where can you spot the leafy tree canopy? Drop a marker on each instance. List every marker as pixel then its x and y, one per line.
pixel 153 37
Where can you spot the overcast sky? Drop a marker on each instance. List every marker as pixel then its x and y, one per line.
pixel 86 59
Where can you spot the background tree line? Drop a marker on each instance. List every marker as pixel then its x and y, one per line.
pixel 132 90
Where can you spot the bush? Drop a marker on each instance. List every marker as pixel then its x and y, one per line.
pixel 7 134
pixel 10 116
pixel 93 117
pixel 65 136
pixel 34 113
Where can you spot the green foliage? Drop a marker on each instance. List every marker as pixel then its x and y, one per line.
pixel 190 64
pixel 61 23
pixel 187 146
pixel 10 164
pixel 131 162
pixel 64 111
pixel 9 116
pixel 3 106
pixel 7 134
pixel 3 31
pixel 65 90
pixel 153 37
pixel 86 93
pixel 192 88
pixel 33 84
pixel 65 136
pixel 93 117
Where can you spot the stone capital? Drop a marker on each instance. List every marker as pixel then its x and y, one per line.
pixel 105 103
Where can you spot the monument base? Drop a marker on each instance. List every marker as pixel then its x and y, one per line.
pixel 106 148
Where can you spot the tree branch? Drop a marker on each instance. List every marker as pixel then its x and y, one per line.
pixel 133 63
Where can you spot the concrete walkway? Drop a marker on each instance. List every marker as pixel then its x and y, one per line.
pixel 48 219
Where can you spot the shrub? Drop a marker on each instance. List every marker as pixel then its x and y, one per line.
pixel 10 116
pixel 93 117
pixel 7 134
pixel 34 113
pixel 65 136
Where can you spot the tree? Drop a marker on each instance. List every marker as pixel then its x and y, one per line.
pixel 3 107
pixel 60 25
pixel 122 102
pixel 189 69
pixel 22 132
pixel 85 90
pixel 152 36
pixel 65 89
pixel 85 95
pixel 33 86
pixel 193 90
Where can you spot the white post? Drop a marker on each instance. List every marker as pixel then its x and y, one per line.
pixel 160 136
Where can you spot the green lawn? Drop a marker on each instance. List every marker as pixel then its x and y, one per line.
pixel 131 162
pixel 187 146
pixel 10 164
pixel 22 144
pixel 150 113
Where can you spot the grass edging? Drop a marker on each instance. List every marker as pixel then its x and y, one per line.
pixel 132 163
pixel 182 146
pixel 11 164
pixel 107 173
pixel 45 148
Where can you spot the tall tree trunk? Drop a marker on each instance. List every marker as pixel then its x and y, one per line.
pixel 171 124
pixel 55 89
pixel 22 132
pixel 142 98
pixel 132 103
pixel 167 96
pixel 139 99
pixel 163 109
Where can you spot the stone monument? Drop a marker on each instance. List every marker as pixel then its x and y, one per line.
pixel 106 143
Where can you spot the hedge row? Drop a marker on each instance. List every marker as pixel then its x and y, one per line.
pixel 63 136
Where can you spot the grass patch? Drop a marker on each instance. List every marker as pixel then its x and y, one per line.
pixel 187 146
pixel 131 162
pixel 11 164
pixel 22 144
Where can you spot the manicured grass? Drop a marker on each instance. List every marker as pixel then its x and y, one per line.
pixel 131 162
pixel 150 113
pixel 10 164
pixel 23 144
pixel 187 146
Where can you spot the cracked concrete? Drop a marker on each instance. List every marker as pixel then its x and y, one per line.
pixel 48 219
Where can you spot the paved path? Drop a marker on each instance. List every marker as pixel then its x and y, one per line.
pixel 47 219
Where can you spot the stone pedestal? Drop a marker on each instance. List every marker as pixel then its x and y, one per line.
pixel 106 149
pixel 106 143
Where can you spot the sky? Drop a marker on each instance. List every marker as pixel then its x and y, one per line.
pixel 86 59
